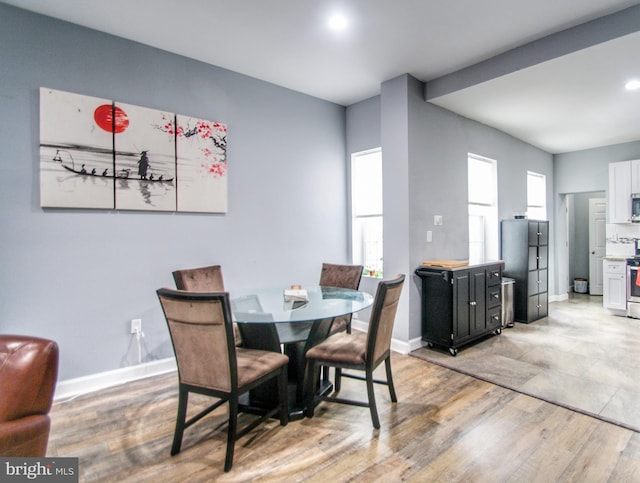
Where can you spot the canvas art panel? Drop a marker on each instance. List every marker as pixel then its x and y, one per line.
pixel 201 152
pixel 98 153
pixel 145 160
pixel 69 144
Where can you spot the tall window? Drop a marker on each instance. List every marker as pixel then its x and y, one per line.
pixel 536 196
pixel 366 210
pixel 483 208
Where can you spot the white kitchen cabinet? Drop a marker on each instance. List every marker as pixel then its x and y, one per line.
pixel 615 285
pixel 620 192
pixel 635 175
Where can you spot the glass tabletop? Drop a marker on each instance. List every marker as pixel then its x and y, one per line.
pixel 269 305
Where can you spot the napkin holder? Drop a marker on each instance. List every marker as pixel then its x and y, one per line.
pixel 296 295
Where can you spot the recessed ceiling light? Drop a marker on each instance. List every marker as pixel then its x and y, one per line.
pixel 337 22
pixel 632 85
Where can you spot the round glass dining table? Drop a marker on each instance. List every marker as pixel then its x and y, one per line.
pixel 272 319
pixel 294 318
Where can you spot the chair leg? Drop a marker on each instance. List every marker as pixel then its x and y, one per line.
pixel 231 433
pixel 312 374
pixel 392 390
pixel 338 380
pixel 183 398
pixel 372 399
pixel 283 396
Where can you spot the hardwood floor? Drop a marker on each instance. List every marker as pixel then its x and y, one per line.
pixel 445 427
pixel 579 357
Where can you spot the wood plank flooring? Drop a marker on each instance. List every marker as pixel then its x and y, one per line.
pixel 445 427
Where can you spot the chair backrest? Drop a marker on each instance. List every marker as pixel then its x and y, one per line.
pixel 383 316
pixel 28 376
pixel 202 279
pixel 202 337
pixel 342 276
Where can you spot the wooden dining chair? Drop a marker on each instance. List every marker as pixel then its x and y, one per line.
pixel 358 351
pixel 201 279
pixel 204 279
pixel 341 276
pixel 209 363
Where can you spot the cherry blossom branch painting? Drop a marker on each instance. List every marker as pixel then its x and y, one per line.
pixel 201 163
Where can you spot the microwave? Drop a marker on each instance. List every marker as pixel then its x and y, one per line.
pixel 635 208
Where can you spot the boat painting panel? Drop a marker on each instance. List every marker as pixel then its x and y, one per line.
pixel 72 146
pixel 201 153
pixel 145 160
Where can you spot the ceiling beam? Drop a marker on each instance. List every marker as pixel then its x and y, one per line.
pixel 550 47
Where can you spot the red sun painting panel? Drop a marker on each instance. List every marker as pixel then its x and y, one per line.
pixel 76 157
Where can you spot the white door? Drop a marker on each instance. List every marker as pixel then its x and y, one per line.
pixel 597 243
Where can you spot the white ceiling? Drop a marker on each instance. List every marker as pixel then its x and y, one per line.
pixel 570 103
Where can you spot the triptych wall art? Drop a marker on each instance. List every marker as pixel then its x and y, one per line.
pixel 99 153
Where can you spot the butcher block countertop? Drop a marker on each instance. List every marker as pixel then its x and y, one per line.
pixel 446 263
pixel 455 264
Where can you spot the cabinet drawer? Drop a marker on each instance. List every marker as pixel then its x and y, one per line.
pixel 538 257
pixel 494 276
pixel 494 296
pixel 494 318
pixel 615 267
pixel 537 282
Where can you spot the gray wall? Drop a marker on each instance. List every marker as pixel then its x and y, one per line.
pixel 580 172
pixel 588 170
pixel 424 150
pixel 79 276
pixel 439 183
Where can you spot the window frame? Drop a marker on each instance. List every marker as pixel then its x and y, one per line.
pixel 532 206
pixel 358 249
pixel 485 208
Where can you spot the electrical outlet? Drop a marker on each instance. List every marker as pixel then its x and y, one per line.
pixel 136 326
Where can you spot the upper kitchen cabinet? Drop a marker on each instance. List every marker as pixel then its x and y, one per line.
pixel 635 175
pixel 624 179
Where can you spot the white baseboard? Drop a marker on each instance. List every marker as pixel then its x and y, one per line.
pixel 401 346
pixel 71 388
pixel 559 298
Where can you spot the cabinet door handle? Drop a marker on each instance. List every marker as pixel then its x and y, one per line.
pixel 472 303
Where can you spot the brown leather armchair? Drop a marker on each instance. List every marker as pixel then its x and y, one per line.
pixel 28 376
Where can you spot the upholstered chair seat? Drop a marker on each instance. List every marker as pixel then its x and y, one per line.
pixel 359 351
pixel 209 363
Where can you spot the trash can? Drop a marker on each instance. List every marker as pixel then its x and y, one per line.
pixel 507 301
pixel 580 285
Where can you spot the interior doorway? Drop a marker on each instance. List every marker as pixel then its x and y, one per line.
pixel 597 243
pixel 579 256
